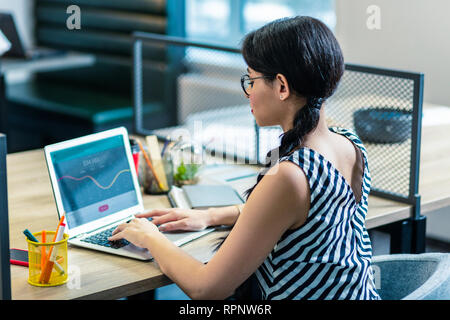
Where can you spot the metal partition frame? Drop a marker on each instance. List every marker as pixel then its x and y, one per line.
pixel 5 273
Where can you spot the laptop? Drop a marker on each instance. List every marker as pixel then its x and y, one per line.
pixel 95 186
pixel 17 50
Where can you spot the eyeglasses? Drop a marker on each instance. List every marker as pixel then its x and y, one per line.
pixel 247 82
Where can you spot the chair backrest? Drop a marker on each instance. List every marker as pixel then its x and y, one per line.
pixel 105 31
pixel 413 276
pixel 5 274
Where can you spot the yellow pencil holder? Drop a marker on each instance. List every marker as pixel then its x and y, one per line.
pixel 47 261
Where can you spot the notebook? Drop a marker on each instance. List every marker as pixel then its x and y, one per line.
pixel 204 196
pixel 95 185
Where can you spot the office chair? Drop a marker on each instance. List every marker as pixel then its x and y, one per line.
pixel 423 276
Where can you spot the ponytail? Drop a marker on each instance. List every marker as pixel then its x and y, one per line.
pixel 305 121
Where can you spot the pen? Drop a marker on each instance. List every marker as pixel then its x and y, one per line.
pixel 43 251
pixel 29 235
pixel 164 148
pixel 57 266
pixel 52 255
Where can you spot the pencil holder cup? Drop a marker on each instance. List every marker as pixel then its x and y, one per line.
pixel 163 184
pixel 47 261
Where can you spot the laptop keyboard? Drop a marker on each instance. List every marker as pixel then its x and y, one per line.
pixel 101 239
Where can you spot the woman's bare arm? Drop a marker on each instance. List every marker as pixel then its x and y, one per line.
pixel 278 202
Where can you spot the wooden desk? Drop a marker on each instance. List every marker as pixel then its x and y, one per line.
pixel 104 276
pixel 101 276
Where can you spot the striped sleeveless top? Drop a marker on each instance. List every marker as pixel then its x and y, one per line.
pixel 329 256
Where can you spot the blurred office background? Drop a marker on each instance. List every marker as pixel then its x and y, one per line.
pixel 413 34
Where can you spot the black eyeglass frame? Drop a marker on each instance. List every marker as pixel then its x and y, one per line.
pixel 246 77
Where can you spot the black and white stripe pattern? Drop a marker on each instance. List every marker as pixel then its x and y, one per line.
pixel 329 256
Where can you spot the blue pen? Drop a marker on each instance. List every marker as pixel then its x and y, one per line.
pixel 29 235
pixel 164 147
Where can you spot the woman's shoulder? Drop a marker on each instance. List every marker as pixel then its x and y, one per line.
pixel 286 177
pixel 353 137
pixel 345 132
pixel 306 158
pixel 287 173
pixel 286 187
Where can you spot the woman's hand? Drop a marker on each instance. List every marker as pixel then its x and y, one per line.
pixel 137 231
pixel 178 219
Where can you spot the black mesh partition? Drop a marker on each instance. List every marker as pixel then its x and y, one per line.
pixel 201 89
pixel 383 107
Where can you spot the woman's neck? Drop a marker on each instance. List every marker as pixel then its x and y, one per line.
pixel 319 132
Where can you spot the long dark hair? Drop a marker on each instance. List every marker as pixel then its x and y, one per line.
pixel 306 52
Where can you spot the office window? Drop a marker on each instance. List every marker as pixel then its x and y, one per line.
pixel 227 21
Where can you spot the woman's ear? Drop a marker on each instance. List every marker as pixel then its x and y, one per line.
pixel 282 86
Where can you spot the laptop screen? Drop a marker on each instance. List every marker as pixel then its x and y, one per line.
pixel 94 180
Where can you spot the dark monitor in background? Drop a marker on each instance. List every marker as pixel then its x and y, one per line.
pixel 5 272
pixel 8 27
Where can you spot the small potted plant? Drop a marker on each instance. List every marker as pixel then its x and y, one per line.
pixel 186 174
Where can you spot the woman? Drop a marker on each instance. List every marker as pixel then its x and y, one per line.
pixel 301 232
